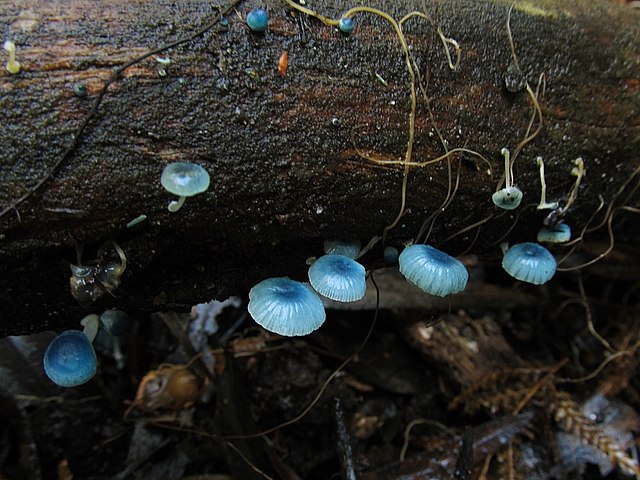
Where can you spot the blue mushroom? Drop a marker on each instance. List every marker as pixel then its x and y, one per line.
pixel 390 254
pixel 338 277
pixel 529 262
pixel 561 233
pixel 257 19
pixel 433 271
pixel 70 359
pixel 185 180
pixel 349 249
pixel 346 25
pixel 507 198
pixel 286 307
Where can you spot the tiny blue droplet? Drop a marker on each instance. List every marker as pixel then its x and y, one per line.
pixel 258 20
pixel 346 25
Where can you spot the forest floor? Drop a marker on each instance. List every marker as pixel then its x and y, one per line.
pixel 507 381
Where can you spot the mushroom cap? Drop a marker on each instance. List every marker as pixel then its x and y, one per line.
pixel 529 262
pixel 70 359
pixel 185 179
pixel 286 307
pixel 115 322
pixel 561 233
pixel 433 271
pixel 338 277
pixel 507 198
pixel 257 19
pixel 349 249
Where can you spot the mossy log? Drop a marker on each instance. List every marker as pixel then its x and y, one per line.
pixel 283 148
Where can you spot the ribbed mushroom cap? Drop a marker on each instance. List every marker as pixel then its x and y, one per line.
pixel 433 271
pixel 529 262
pixel 70 359
pixel 185 179
pixel 561 233
pixel 338 277
pixel 286 307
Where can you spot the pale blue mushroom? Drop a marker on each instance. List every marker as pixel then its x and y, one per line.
pixel 286 307
pixel 185 180
pixel 433 271
pixel 529 262
pixel 70 359
pixel 338 277
pixel 560 233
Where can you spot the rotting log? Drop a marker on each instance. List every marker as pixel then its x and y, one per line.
pixel 282 149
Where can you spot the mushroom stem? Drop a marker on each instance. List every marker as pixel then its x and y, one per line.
pixel 176 205
pixel 507 167
pixel 91 323
pixel 543 189
pixel 12 65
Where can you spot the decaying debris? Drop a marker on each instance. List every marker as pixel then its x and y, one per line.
pixel 440 458
pixel 168 388
pixel 477 359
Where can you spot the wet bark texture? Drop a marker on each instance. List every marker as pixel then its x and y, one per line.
pixel 285 171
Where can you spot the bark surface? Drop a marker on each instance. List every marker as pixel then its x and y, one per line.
pixel 283 150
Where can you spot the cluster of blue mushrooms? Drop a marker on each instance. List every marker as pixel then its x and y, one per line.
pixel 433 271
pixel 70 359
pixel 291 308
pixel 184 180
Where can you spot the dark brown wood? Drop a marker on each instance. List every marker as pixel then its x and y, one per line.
pixel 285 172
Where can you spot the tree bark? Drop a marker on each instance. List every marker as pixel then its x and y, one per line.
pixel 283 150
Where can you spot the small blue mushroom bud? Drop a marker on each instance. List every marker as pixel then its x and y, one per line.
pixel 338 277
pixel 185 180
pixel 561 233
pixel 346 25
pixel 286 307
pixel 115 322
pixel 433 271
pixel 339 247
pixel 258 20
pixel 390 254
pixel 529 262
pixel 70 359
